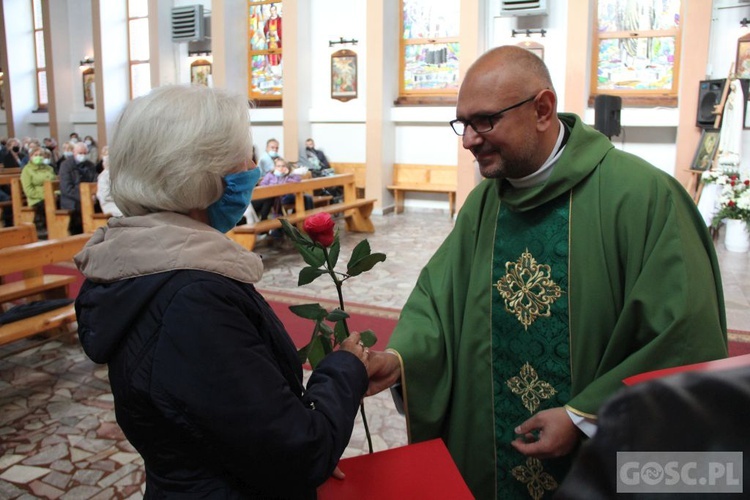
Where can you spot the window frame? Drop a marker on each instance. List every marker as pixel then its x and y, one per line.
pixel 263 100
pixel 41 71
pixel 446 97
pixel 133 62
pixel 637 97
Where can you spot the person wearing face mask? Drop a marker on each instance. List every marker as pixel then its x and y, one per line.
pixel 207 384
pixel 279 175
pixel 36 172
pixel 15 157
pixel 267 159
pixel 73 172
pixel 93 149
pixel 66 152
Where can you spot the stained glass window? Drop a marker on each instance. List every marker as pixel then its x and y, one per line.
pixel 266 65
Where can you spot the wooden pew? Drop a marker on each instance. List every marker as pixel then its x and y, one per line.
pixel 22 213
pixel 426 179
pixel 29 259
pixel 58 220
pixel 356 211
pixel 91 219
pixel 6 180
pixel 359 171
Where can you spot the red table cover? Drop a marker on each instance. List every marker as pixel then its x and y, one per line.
pixel 719 364
pixel 423 470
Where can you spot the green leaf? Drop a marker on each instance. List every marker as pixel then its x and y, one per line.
pixel 308 275
pixel 339 332
pixel 290 230
pixel 333 252
pixel 325 342
pixel 325 329
pixel 309 311
pixel 337 315
pixel 365 264
pixel 317 351
pixel 303 352
pixel 361 251
pixel 312 255
pixel 368 338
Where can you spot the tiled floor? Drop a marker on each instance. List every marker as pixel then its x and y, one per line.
pixel 58 436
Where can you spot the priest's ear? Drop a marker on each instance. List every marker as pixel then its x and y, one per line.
pixel 546 108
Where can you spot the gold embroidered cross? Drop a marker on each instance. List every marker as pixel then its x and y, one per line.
pixel 533 476
pixel 530 388
pixel 528 289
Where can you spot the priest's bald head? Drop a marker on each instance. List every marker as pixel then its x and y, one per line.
pixel 507 113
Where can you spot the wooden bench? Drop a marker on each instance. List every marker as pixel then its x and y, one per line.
pixel 5 184
pixel 425 179
pixel 356 211
pixel 58 220
pixel 91 219
pixel 22 213
pixel 359 171
pixel 29 259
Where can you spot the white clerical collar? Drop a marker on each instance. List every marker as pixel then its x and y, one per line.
pixel 541 175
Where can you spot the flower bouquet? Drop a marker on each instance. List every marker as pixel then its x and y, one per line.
pixel 319 246
pixel 734 197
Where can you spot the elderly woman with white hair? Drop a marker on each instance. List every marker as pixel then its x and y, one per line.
pixel 207 383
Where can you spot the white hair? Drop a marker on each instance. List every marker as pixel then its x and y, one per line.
pixel 172 147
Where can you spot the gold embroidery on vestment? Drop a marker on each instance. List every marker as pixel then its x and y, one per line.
pixel 533 476
pixel 528 289
pixel 530 388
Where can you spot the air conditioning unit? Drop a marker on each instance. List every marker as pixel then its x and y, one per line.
pixel 187 23
pixel 513 8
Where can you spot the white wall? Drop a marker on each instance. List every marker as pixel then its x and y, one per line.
pixel 21 64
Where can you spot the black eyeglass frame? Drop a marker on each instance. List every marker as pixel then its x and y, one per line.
pixel 490 118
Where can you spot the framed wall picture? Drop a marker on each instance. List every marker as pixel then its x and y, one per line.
pixel 706 151
pixel 344 75
pixel 200 73
pixel 742 64
pixel 89 92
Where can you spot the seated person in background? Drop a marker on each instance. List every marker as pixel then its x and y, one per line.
pixel 66 151
pixel 51 144
pixel 279 175
pixel 33 177
pixel 103 193
pixel 207 384
pixel 30 146
pixel 266 162
pixel 93 149
pixel 73 172
pixel 314 156
pixel 15 158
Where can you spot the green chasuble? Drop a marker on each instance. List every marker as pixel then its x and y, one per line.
pixel 643 292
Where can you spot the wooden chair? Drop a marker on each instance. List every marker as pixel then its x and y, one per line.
pixel 58 220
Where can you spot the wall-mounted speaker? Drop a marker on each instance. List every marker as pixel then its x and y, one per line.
pixel 607 114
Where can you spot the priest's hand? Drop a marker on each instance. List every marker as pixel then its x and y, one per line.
pixel 384 369
pixel 548 434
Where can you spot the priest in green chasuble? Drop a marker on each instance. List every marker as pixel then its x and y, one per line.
pixel 571 266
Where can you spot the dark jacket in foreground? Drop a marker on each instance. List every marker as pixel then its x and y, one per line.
pixel 206 382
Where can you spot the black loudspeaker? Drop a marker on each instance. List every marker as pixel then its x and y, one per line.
pixel 607 114
pixel 709 95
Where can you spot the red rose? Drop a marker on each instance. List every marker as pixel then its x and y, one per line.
pixel 747 182
pixel 319 228
pixel 730 203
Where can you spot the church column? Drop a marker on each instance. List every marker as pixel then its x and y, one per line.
pixel 380 142
pixel 229 45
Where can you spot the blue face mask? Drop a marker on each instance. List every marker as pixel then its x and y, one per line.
pixel 224 213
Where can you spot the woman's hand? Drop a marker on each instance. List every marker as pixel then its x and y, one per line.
pixel 354 345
